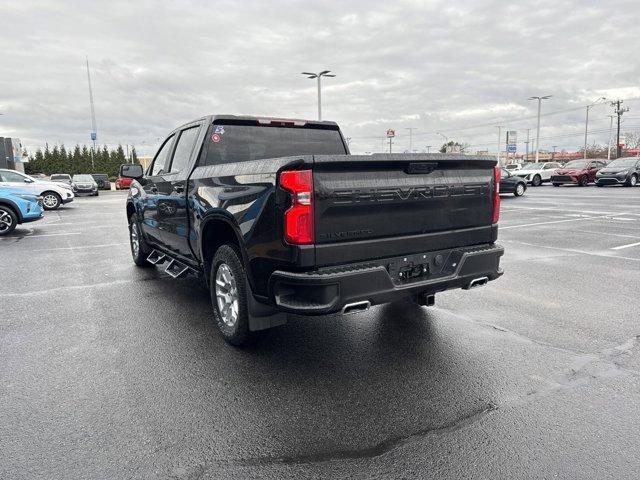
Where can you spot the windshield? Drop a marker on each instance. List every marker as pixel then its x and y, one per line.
pixel 623 162
pixel 576 164
pixel 82 178
pixel 532 166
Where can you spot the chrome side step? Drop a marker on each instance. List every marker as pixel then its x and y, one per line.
pixel 155 257
pixel 175 269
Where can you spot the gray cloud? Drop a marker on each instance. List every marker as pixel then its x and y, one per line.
pixel 437 66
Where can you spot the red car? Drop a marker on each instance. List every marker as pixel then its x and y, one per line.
pixel 123 183
pixel 577 172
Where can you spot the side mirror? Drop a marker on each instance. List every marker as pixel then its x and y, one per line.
pixel 131 171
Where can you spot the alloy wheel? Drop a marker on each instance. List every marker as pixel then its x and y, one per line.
pixel 135 239
pixel 5 221
pixel 50 201
pixel 227 295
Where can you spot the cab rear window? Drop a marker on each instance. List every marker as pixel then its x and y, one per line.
pixel 241 143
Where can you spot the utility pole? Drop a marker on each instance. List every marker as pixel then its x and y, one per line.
pixel 546 97
pixel 94 127
pixel 411 129
pixel 428 147
pixel 527 145
pixel 553 156
pixel 610 131
pixel 499 143
pixel 324 73
pixel 618 111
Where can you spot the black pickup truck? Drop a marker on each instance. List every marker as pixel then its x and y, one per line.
pixel 279 218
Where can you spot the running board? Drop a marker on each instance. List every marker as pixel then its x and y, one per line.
pixel 155 257
pixel 176 269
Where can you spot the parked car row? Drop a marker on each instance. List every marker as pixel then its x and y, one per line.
pixel 53 194
pixel 97 181
pixel 622 171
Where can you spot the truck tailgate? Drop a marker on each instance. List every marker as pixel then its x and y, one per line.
pixel 361 198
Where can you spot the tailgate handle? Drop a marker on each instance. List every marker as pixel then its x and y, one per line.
pixel 422 167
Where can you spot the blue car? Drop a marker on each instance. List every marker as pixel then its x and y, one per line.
pixel 18 206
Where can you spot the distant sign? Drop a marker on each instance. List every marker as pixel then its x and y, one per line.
pixel 391 133
pixel 94 136
pixel 512 141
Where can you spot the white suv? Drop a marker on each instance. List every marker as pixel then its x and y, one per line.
pixel 53 194
pixel 536 173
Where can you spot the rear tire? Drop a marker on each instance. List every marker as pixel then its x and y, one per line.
pixel 520 189
pixel 583 182
pixel 536 181
pixel 51 200
pixel 228 290
pixel 8 220
pixel 139 248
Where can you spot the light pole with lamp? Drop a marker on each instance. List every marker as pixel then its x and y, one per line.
pixel 324 73
pixel 546 97
pixel 586 124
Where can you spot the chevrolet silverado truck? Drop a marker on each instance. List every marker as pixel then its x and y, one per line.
pixel 278 218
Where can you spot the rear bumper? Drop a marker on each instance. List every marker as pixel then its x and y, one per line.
pixel 328 290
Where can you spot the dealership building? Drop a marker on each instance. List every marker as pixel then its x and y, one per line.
pixel 11 154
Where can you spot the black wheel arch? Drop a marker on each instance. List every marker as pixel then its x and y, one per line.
pixel 217 229
pixel 14 208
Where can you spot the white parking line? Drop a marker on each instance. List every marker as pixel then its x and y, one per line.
pixel 573 250
pixel 552 222
pixel 626 246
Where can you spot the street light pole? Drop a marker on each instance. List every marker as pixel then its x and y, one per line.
pixel 499 143
pixel 318 76
pixel 610 131
pixel 546 97
pixel 411 129
pixel 586 125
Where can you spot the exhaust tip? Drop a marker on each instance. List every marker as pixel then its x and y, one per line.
pixel 478 282
pixel 356 307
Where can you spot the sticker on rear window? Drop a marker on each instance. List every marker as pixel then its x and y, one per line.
pixel 219 129
pixel 215 138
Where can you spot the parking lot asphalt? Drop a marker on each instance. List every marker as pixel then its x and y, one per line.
pixel 112 371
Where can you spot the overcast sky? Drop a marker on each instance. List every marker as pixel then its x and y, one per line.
pixel 459 68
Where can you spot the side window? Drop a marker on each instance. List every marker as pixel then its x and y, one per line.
pixel 184 148
pixel 161 157
pixel 12 177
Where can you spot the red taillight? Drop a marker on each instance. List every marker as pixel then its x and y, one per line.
pixel 298 219
pixel 496 195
